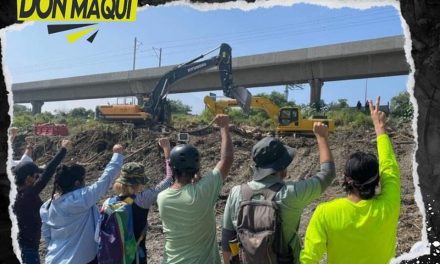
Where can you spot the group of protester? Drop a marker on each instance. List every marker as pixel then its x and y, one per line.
pixel 358 228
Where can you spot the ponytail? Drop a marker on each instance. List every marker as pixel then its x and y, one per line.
pixel 65 178
pixel 361 175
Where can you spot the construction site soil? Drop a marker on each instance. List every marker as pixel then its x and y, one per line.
pixel 92 149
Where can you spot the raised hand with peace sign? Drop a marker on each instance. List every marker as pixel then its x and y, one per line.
pixel 378 117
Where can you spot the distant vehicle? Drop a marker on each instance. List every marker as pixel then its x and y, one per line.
pixel 156 110
pixel 50 129
pixel 287 119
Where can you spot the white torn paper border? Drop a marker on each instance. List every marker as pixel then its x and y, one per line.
pixel 8 81
pixel 13 190
pixel 422 247
pixel 419 248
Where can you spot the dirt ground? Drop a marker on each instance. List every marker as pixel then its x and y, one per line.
pixel 92 148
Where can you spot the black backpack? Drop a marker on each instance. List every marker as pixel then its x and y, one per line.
pixel 259 227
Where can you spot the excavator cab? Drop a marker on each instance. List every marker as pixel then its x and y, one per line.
pixel 288 116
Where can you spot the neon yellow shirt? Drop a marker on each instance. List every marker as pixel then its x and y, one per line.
pixel 189 223
pixel 363 232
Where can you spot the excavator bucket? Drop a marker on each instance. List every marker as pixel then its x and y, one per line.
pixel 243 97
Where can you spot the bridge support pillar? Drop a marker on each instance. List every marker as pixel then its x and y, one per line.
pixel 36 107
pixel 315 90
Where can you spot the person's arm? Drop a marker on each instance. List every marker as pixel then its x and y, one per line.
pixel 228 231
pixel 90 195
pixel 388 166
pixel 146 198
pixel 28 151
pixel 209 186
pixel 327 173
pixel 26 157
pixel 227 149
pixel 315 240
pixel 164 143
pixel 227 235
pixel 48 172
pixel 302 193
pixel 13 131
pixel 305 191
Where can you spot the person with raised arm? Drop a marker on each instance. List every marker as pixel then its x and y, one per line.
pixel 361 227
pixel 30 181
pixel 71 215
pixel 271 159
pixel 187 209
pixel 133 196
pixel 27 154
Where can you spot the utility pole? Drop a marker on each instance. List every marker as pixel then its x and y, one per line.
pixel 134 61
pixel 366 89
pixel 134 54
pixel 158 56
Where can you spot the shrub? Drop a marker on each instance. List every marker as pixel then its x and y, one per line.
pixel 349 117
pixel 401 107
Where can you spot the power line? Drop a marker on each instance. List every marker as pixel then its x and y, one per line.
pixel 280 32
pixel 254 35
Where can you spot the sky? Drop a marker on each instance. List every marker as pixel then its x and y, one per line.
pixel 183 33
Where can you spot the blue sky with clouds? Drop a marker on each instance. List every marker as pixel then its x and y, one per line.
pixel 184 33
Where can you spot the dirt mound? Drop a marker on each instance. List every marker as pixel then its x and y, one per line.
pixel 92 149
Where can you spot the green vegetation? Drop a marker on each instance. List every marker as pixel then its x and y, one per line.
pixel 349 117
pixel 78 116
pixel 177 107
pixel 80 119
pixel 344 116
pixel 401 108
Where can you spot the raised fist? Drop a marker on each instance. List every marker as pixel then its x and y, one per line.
pixel 222 120
pixel 320 129
pixel 118 148
pixel 65 143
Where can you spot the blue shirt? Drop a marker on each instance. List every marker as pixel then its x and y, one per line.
pixel 69 223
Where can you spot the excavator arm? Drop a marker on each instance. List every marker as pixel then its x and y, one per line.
pixel 156 105
pixel 218 107
pixel 155 108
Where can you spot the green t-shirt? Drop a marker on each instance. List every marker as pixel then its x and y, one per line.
pixel 363 232
pixel 292 199
pixel 189 224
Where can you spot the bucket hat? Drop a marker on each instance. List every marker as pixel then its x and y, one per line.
pixel 270 155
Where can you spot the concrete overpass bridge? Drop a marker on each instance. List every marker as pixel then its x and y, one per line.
pixel 316 65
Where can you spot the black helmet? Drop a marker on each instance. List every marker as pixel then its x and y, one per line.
pixel 185 158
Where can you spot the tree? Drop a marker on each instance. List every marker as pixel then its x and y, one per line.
pixel 81 113
pixel 401 107
pixel 277 98
pixel 21 109
pixel 340 104
pixel 177 107
pixel 45 117
pixel 23 121
pixel 319 106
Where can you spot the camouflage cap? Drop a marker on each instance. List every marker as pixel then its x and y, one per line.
pixel 132 173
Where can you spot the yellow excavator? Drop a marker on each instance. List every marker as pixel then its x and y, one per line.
pixel 155 108
pixel 287 119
